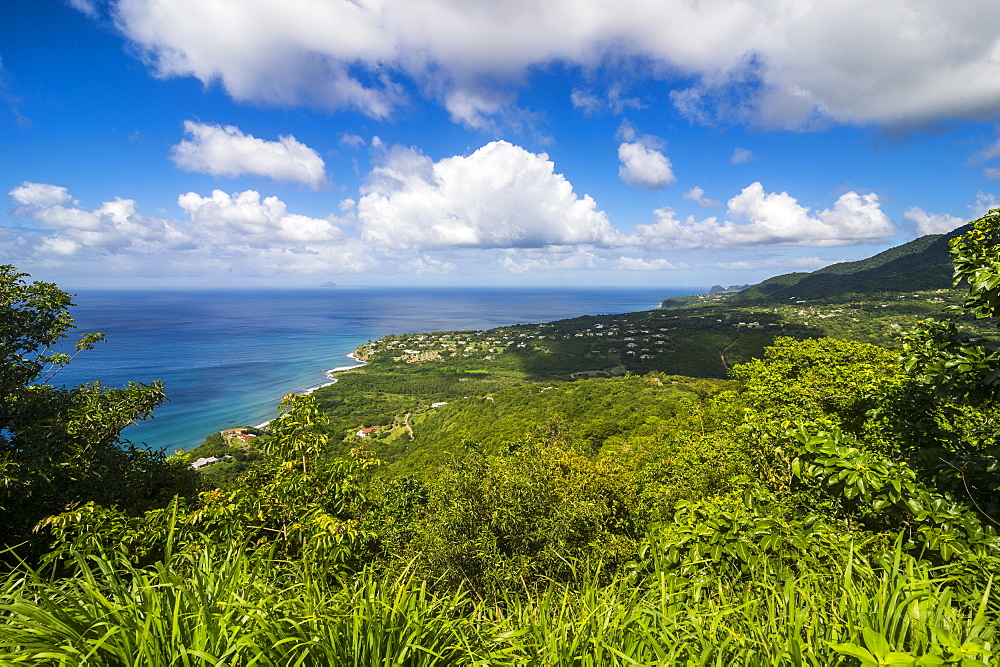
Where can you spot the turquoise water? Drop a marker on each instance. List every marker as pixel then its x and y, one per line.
pixel 228 356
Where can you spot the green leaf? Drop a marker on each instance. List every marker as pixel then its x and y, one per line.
pixel 856 651
pixel 876 642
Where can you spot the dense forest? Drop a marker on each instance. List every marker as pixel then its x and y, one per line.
pixel 728 481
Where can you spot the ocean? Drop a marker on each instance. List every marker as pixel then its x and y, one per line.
pixel 228 356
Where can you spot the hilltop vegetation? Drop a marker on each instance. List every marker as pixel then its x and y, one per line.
pixel 529 365
pixel 922 265
pixel 715 483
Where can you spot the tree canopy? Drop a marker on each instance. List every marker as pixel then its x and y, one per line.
pixel 61 446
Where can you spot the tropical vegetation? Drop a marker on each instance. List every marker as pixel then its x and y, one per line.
pixel 751 492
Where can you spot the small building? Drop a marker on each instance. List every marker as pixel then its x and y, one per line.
pixel 365 432
pixel 204 462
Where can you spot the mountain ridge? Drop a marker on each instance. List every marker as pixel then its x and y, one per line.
pixel 921 264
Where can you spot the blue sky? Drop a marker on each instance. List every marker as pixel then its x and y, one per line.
pixel 572 142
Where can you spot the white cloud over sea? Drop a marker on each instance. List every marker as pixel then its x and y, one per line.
pixel 40 194
pixel 226 151
pixel 644 166
pixel 500 196
pixel 756 218
pixel 221 231
pixel 244 218
pixel 501 206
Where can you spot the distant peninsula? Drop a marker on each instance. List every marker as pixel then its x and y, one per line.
pixel 718 289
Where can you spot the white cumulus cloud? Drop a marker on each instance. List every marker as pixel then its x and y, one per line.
pixel 69 228
pixel 241 234
pixel 837 60
pixel 226 151
pixel 499 196
pixel 58 245
pixel 697 195
pixel 759 218
pixel 931 223
pixel 40 194
pixel 248 219
pixel 644 167
pixel 985 202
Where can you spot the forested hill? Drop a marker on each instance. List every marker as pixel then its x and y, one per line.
pixel 921 264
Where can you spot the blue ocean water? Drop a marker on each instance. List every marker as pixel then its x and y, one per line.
pixel 228 356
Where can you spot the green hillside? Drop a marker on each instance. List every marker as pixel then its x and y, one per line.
pixel 921 264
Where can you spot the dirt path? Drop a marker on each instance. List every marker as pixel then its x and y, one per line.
pixel 722 352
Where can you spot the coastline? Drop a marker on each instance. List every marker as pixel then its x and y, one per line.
pixel 245 364
pixel 330 374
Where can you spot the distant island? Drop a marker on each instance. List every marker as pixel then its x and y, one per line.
pixel 329 283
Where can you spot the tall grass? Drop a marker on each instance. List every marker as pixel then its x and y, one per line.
pixel 224 606
pixel 801 620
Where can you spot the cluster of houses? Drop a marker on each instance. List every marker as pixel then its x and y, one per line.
pixel 622 336
pixel 795 312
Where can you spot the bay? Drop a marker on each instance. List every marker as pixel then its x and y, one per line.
pixel 228 356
